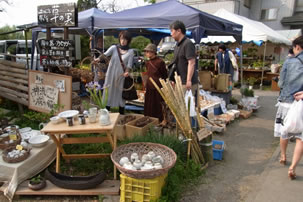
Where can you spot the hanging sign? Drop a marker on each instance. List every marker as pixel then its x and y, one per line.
pixel 58 15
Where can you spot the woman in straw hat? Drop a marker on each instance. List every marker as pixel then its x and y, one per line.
pixel 156 69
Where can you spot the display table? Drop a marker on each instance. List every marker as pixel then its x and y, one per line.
pixel 254 73
pixel 58 133
pixel 12 174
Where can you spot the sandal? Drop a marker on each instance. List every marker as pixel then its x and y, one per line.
pixel 291 174
pixel 282 161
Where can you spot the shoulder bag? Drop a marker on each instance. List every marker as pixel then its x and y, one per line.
pixel 129 91
pixel 172 68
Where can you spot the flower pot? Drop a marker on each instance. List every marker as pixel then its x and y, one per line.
pixel 37 186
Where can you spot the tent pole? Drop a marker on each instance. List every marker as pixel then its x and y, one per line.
pixel 261 84
pixel 241 62
pixel 103 41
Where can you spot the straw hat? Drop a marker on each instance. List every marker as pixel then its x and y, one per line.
pixel 151 47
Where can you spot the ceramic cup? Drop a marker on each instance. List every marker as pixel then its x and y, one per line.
pixel 93 110
pixel 81 119
pixel 70 121
pixel 92 118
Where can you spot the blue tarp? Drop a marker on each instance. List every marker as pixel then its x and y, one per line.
pixel 156 16
pixel 161 15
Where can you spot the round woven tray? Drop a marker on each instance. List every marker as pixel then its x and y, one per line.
pixel 168 155
pixel 4 146
pixel 8 159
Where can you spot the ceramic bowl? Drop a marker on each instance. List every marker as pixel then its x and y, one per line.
pixel 68 113
pixel 38 140
pixel 55 119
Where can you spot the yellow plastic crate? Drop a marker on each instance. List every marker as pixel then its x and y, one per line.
pixel 140 189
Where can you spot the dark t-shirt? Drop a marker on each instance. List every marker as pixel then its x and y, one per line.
pixel 185 50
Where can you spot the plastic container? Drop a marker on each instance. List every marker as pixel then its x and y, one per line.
pixel 140 189
pixel 218 153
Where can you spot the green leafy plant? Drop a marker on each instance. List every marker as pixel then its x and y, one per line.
pixel 247 92
pixel 37 179
pixel 251 81
pixel 96 95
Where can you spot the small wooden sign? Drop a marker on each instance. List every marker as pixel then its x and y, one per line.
pixel 58 15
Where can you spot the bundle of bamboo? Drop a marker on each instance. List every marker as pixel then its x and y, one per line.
pixel 174 98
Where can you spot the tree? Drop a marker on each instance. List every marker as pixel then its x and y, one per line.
pixel 5 1
pixel 15 35
pixel 87 4
pixel 139 42
pixel 150 1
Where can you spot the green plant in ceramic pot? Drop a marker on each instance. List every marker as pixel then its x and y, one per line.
pixel 36 183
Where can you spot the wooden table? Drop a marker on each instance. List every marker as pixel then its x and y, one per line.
pixel 57 133
pixel 253 73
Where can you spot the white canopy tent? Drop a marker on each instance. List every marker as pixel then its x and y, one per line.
pixel 253 31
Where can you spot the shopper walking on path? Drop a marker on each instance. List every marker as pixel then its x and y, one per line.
pixel 291 82
pixel 115 75
pixel 184 56
pixel 156 70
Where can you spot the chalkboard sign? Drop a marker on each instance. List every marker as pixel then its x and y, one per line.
pixel 57 52
pixel 56 62
pixel 58 15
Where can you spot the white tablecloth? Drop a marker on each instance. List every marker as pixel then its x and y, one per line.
pixel 12 174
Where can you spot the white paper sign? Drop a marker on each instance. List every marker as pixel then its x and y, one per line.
pixel 43 96
pixel 60 84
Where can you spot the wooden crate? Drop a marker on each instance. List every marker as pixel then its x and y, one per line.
pixel 131 129
pixel 119 130
pixel 245 114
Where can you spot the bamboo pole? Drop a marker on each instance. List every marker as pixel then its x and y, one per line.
pixel 174 98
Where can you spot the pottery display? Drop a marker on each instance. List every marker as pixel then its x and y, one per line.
pixel 104 118
pixel 123 160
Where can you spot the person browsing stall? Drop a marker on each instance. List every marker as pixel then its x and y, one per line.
pixel 114 78
pixel 156 70
pixel 184 57
pixel 223 61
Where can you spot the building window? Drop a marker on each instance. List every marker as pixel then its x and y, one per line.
pixel 269 14
pixel 247 3
pixel 299 7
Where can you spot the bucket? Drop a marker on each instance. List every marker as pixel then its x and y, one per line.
pixel 206 147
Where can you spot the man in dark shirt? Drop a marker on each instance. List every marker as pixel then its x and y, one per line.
pixel 184 57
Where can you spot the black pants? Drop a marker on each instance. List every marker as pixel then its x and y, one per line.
pixel 121 109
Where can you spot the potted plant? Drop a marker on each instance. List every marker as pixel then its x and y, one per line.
pixel 36 183
pixel 251 81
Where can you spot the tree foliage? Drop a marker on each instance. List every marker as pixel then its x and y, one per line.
pixel 87 4
pixel 150 1
pixel 16 35
pixel 139 42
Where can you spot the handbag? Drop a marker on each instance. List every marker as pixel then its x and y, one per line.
pixel 129 91
pixel 172 68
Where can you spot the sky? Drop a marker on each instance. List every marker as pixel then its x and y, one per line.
pixel 22 12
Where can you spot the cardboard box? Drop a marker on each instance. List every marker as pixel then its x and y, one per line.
pixel 119 129
pixel 131 129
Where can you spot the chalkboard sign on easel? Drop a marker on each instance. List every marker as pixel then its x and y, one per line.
pixel 58 15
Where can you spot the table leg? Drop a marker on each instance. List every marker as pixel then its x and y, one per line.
pixel 115 145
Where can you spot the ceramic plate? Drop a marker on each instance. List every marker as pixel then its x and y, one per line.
pixel 68 113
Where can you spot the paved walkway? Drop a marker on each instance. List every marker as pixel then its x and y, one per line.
pixel 276 186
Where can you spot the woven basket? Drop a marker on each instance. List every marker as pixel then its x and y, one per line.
pixel 168 155
pixel 4 146
pixel 8 159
